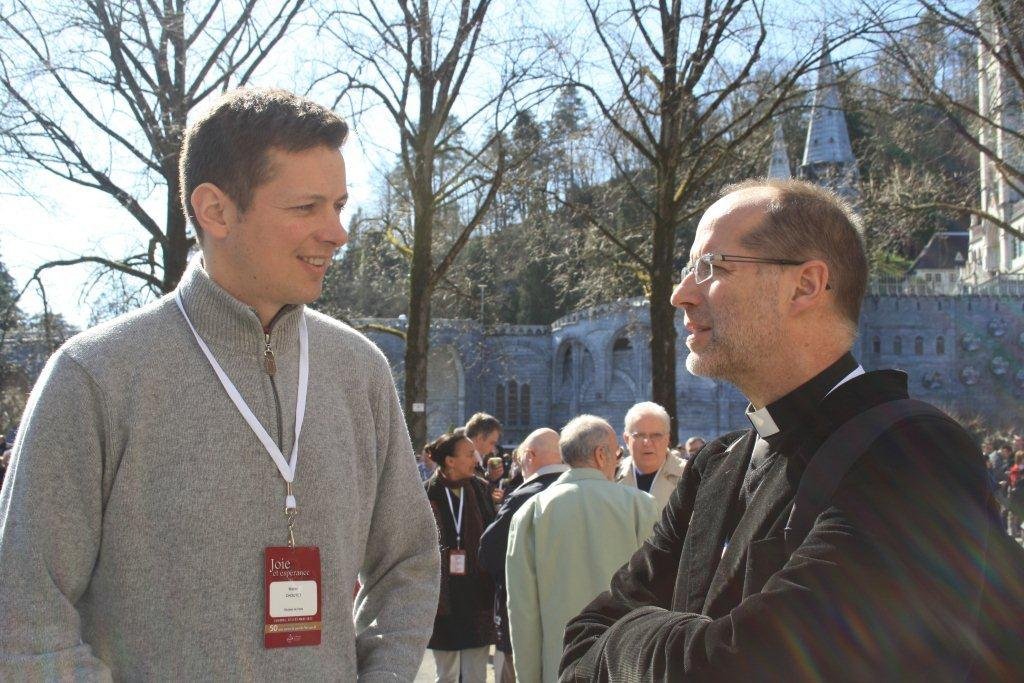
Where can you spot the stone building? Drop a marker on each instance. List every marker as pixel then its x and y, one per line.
pixel 964 352
pixel 960 340
pixel 995 255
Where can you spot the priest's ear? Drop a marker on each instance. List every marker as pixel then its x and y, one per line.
pixel 811 286
pixel 214 210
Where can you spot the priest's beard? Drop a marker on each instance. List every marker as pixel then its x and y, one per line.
pixel 745 337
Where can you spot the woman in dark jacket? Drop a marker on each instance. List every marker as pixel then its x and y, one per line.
pixel 464 625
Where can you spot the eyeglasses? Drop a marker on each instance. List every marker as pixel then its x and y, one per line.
pixel 703 267
pixel 644 436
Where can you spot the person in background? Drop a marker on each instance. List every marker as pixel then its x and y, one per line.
pixel 541 461
pixel 692 447
pixel 425 465
pixel 464 624
pixel 485 432
pixel 650 465
pixel 1015 495
pixel 565 543
pixel 514 468
pixel 496 480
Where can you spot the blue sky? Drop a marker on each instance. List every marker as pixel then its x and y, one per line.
pixel 61 220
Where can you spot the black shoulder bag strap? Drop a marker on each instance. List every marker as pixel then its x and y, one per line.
pixel 998 653
pixel 837 455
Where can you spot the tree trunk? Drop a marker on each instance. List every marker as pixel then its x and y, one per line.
pixel 663 329
pixel 663 242
pixel 176 248
pixel 417 336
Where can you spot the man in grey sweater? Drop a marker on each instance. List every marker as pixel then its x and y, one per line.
pixel 146 499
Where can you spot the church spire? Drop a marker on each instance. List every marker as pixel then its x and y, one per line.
pixel 779 167
pixel 828 157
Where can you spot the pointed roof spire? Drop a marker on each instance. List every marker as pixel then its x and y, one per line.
pixel 828 140
pixel 779 167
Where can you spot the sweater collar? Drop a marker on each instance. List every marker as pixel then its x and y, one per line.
pixel 225 322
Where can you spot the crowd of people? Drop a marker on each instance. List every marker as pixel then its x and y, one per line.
pixel 1005 462
pixel 496 587
pixel 587 507
pixel 219 484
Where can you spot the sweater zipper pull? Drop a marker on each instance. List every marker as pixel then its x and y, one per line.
pixel 269 363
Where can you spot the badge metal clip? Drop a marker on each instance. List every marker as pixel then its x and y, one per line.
pixel 290 512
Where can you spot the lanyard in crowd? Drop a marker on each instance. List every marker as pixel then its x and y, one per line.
pixel 287 469
pixel 457 520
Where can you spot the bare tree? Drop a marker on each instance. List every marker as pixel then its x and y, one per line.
pixel 97 93
pixel 422 63
pixel 691 90
pixel 992 124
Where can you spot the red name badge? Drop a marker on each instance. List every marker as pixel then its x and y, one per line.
pixel 292 596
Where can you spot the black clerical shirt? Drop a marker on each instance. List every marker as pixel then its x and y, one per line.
pixel 783 428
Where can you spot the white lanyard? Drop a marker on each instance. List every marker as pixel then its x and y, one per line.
pixel 287 469
pixel 457 520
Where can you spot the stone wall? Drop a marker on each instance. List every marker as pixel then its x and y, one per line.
pixel 964 353
pixel 970 358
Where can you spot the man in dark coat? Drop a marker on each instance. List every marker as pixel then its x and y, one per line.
pixel 541 463
pixel 886 584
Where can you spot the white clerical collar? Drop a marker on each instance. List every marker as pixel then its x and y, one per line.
pixel 762 420
pixel 548 469
pixel 857 372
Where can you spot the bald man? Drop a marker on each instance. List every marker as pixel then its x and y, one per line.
pixel 541 461
pixel 874 576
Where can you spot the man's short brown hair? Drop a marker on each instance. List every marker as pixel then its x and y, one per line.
pixel 804 222
pixel 228 145
pixel 481 423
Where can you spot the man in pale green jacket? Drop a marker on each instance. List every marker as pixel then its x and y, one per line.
pixel 565 544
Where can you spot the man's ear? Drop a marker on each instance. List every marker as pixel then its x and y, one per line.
pixel 812 282
pixel 214 210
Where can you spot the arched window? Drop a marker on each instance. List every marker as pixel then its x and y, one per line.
pixel 513 403
pixel 567 366
pixel 897 345
pixel 876 345
pixel 524 405
pixel 919 346
pixel 940 346
pixel 499 402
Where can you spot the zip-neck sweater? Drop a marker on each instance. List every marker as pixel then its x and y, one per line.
pixel 135 515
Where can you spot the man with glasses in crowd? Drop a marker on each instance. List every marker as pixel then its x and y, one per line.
pixel 650 466
pixel 565 543
pixel 882 580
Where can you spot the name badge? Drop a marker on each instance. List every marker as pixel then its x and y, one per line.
pixel 292 597
pixel 457 562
